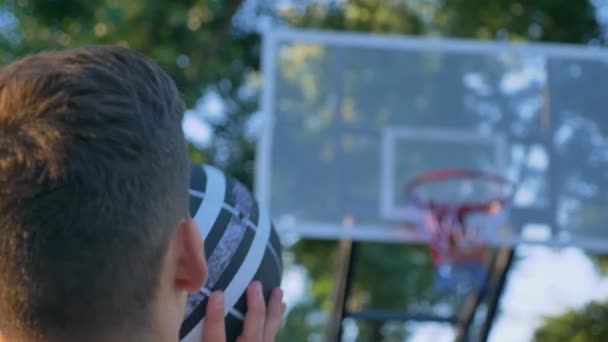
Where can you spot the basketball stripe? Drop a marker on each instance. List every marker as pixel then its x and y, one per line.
pixel 240 197
pixel 215 191
pixel 197 183
pixel 195 318
pixel 265 273
pixel 197 194
pixel 194 299
pixel 268 271
pixel 250 265
pixel 234 328
pixel 235 212
pixel 231 209
pixel 234 325
pixel 234 312
pixel 195 203
pixel 215 235
pixel 275 243
pixel 198 178
pixel 237 259
pixel 192 326
pixel 195 334
pixel 225 253
pixel 237 314
pixel 275 258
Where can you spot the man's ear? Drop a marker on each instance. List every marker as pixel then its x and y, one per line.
pixel 191 268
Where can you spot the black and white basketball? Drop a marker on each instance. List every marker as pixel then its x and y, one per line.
pixel 241 245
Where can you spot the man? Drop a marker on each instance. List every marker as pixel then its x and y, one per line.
pixel 96 243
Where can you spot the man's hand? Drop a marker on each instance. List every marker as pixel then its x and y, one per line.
pixel 261 323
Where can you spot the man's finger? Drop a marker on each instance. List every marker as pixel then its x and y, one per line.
pixel 274 317
pixel 253 327
pixel 214 328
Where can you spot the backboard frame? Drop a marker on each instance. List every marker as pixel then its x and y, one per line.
pixel 391 211
pixel 320 230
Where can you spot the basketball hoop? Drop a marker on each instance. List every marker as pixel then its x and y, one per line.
pixel 461 206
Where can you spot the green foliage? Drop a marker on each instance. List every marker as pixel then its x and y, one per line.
pixel 602 263
pixel 360 15
pixel 194 41
pixel 304 322
pixel 539 20
pixel 197 42
pixel 586 325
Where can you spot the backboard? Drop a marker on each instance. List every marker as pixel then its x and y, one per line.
pixel 350 118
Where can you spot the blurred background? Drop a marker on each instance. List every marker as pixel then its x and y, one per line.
pixel 212 50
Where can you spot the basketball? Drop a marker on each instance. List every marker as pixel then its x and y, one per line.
pixel 241 245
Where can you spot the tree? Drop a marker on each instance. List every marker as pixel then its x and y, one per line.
pixel 195 41
pixel 207 50
pixel 585 325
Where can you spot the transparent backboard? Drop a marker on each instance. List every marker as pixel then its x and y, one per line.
pixel 349 119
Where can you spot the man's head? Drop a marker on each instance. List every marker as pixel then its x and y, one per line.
pixel 95 235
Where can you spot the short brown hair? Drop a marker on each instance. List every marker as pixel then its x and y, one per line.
pixel 93 178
